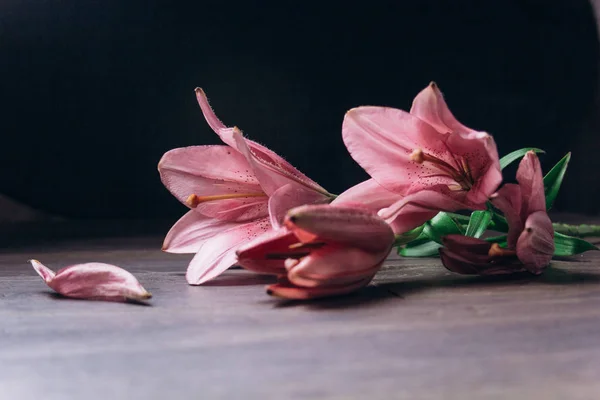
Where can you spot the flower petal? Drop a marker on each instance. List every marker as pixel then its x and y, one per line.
pixel 95 281
pixel 206 171
pixel 345 225
pixel 417 208
pixel 430 106
pixel 335 265
pixel 368 193
pixel 271 170
pixel 529 176
pixel 478 150
pixel 218 253
pixel 266 254
pixel 287 197
pixel 287 290
pixel 381 140
pixel 191 231
pixel 535 246
pixel 508 200
pixel 225 133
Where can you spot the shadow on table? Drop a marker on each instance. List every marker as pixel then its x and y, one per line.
pixel 551 276
pixel 396 291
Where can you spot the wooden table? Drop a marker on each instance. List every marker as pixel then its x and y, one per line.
pixel 419 332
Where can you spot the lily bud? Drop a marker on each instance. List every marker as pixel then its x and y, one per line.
pixel 323 250
pixel 93 281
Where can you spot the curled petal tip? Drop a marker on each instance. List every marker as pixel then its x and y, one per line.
pixel 433 85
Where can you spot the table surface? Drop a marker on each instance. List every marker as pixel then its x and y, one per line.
pixel 418 332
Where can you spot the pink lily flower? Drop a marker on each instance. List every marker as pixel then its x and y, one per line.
pixel 426 157
pixel 530 236
pixel 235 192
pixel 93 281
pixel 322 250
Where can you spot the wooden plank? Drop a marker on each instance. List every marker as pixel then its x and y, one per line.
pixel 417 332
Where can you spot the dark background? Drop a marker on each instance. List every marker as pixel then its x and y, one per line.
pixel 93 92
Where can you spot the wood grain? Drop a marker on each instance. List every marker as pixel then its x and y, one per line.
pixel 418 332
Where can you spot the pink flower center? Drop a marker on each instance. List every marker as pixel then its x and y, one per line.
pixel 460 172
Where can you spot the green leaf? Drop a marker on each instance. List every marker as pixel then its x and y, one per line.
pixel 499 223
pixel 441 225
pixel 422 249
pixel 554 178
pixel 565 245
pixel 515 155
pixel 478 223
pixel 409 236
pixel 501 240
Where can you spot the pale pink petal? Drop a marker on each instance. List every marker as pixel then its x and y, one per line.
pixel 287 290
pixel 95 281
pixel 335 266
pixel 259 156
pixel 430 106
pixel 529 176
pixel 46 273
pixel 508 200
pixel 242 209
pixel 382 139
pixel 535 246
pixel 225 133
pixel 218 253
pixel 288 197
pixel 191 231
pixel 271 170
pixel 266 253
pixel 417 208
pixel 349 226
pixel 368 193
pixel 207 171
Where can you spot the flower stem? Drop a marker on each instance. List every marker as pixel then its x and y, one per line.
pixel 583 230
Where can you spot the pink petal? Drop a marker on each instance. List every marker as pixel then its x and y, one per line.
pixel 381 140
pixel 368 193
pixel 535 246
pixel 462 264
pixel 288 197
pixel 430 106
pixel 266 253
pixel 265 162
pixel 478 150
pixel 508 200
pixel 218 253
pixel 191 231
pixel 529 176
pixel 417 208
pixel 96 281
pixel 225 133
pixel 349 226
pixel 289 291
pixel 335 266
pixel 272 171
pixel 207 171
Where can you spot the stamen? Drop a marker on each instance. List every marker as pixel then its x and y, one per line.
pixel 497 251
pixel 193 199
pixel 417 156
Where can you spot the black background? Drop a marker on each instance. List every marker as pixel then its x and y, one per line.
pixel 94 92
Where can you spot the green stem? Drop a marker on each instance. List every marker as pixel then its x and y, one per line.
pixel 583 230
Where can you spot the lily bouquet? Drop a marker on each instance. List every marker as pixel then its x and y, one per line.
pixel 435 190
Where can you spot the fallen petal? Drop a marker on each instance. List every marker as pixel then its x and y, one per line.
pixel 93 281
